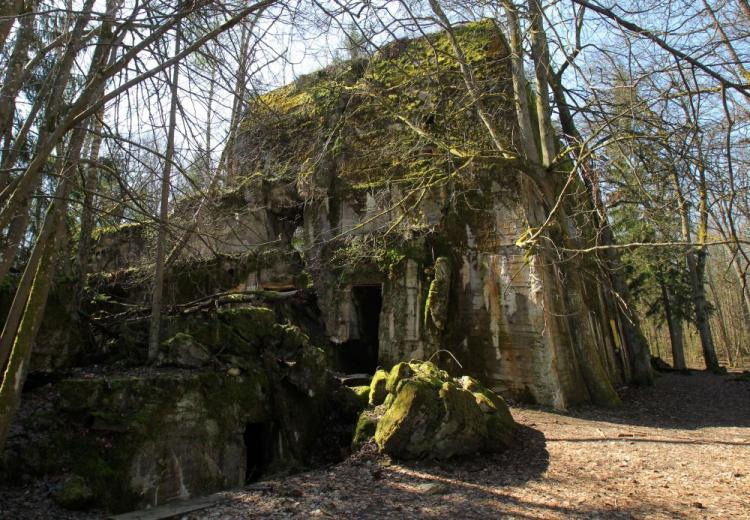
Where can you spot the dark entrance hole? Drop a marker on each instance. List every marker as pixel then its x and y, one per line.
pixel 360 353
pixel 258 450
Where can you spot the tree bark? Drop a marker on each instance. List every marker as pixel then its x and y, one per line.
pixel 696 266
pixel 13 239
pixel 18 307
pixel 8 14
pixel 722 321
pixel 674 323
pixel 158 289
pixel 540 57
pixel 12 83
pixel 91 180
pixel 18 363
pixel 520 85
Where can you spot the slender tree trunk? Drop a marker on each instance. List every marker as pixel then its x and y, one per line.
pixel 741 274
pixel 696 263
pixel 9 10
pixel 540 57
pixel 18 363
pixel 91 180
pixel 16 313
pixel 158 289
pixel 50 126
pixel 674 324
pixel 238 103
pixel 745 7
pixel 15 373
pixel 27 310
pixel 12 83
pixel 468 77
pixel 13 239
pixel 701 311
pixel 520 85
pixel 721 319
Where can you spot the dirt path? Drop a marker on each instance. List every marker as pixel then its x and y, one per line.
pixel 680 449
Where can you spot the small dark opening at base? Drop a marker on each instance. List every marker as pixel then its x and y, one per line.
pixel 361 355
pixel 257 440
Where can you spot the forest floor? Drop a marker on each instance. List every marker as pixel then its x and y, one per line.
pixel 679 449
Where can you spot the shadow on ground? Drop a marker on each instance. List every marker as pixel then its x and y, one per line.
pixel 679 401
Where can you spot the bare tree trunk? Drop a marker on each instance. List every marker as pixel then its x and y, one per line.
pixel 674 324
pixel 18 363
pixel 158 289
pixel 90 183
pixel 12 83
pixel 540 57
pixel 27 310
pixel 741 274
pixel 468 77
pixel 238 103
pixel 16 313
pixel 520 85
pixel 52 114
pixel 8 13
pixel 696 264
pixel 722 321
pixel 745 7
pixel 13 239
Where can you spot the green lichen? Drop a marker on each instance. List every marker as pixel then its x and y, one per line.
pixel 365 429
pixel 127 229
pixel 377 388
pixel 436 305
pixel 398 372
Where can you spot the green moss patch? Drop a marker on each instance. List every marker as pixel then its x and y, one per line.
pixel 427 413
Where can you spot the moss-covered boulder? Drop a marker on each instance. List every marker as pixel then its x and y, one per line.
pixel 365 429
pixel 428 414
pixel 377 388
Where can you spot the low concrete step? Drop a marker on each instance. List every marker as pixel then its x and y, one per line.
pixel 172 510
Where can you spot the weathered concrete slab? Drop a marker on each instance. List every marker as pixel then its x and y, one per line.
pixel 172 510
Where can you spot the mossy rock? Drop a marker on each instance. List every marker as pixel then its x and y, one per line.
pixel 362 394
pixel 377 388
pixel 406 428
pixel 428 414
pixel 426 370
pixel 398 372
pixel 365 429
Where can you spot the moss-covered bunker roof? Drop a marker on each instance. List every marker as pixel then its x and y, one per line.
pixel 402 116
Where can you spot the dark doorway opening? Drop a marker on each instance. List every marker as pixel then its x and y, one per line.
pixel 360 353
pixel 258 450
